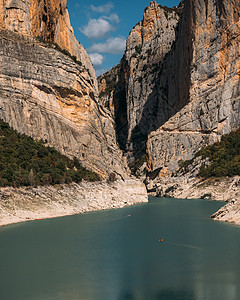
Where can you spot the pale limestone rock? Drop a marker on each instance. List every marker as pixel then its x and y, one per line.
pixel 186 187
pixel 15 14
pixel 214 93
pixel 49 20
pixel 30 203
pixel 44 94
pixel 145 90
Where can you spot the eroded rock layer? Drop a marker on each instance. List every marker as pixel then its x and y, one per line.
pixel 214 92
pixel 47 94
pixel 149 90
pixel 46 19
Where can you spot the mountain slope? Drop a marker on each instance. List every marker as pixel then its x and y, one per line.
pixel 178 87
pixel 27 162
pixel 49 95
pixel 214 93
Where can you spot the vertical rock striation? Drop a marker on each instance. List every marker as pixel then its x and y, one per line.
pixel 178 85
pixel 146 95
pixel 214 91
pixel 50 95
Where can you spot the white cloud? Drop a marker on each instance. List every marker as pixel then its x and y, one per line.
pixel 97 28
pixel 96 58
pixel 112 18
pixel 112 46
pixel 105 8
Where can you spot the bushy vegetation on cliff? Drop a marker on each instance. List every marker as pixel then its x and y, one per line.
pixel 222 159
pixel 24 161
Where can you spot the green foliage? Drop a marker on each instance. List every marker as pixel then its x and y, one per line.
pixel 64 51
pixel 134 166
pixel 224 157
pixel 24 161
pixel 184 164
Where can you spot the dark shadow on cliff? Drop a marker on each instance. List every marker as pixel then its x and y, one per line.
pixel 120 109
pixel 171 89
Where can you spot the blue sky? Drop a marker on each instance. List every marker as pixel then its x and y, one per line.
pixel 102 27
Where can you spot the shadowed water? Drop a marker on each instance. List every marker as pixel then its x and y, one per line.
pixel 110 255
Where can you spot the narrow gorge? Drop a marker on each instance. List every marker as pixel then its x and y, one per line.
pixel 175 91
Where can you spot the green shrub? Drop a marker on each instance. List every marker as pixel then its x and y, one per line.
pixel 223 156
pixel 24 161
pixel 134 166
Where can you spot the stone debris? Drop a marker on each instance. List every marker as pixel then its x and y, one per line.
pixel 30 203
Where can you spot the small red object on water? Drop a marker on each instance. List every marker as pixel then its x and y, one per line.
pixel 161 240
pixel 129 215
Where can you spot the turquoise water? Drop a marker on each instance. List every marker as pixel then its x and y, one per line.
pixel 109 255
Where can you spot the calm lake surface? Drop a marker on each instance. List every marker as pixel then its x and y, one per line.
pixel 109 255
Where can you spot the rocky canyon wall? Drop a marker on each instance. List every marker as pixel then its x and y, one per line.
pixel 153 79
pixel 214 93
pixel 178 84
pixel 47 94
pixel 46 19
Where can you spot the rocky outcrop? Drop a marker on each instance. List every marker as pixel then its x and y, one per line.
pixel 145 96
pixel 29 203
pixel 214 92
pixel 219 189
pixel 229 213
pixel 49 95
pixel 48 20
pixel 46 95
pixel 107 84
pixel 179 85
pixel 222 189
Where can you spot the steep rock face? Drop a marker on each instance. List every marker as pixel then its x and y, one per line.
pixel 146 95
pixel 107 84
pixel 47 19
pixel 214 93
pixel 45 94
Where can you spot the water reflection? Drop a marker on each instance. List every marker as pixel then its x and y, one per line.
pixel 164 294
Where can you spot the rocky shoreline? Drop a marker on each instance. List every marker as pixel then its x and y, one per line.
pixel 222 189
pixel 42 202
pixel 31 203
pixel 229 213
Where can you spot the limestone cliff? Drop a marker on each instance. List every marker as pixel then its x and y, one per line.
pixel 148 91
pixel 178 86
pixel 213 105
pixel 47 19
pixel 45 93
